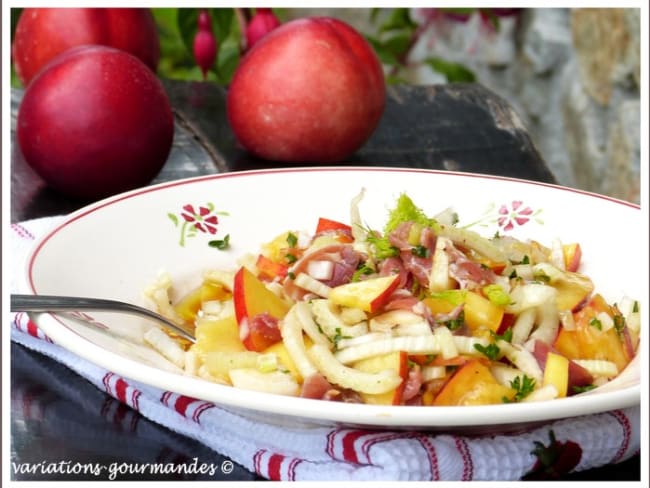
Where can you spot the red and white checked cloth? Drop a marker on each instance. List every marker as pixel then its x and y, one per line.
pixel 339 453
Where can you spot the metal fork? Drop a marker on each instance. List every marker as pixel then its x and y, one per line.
pixel 52 303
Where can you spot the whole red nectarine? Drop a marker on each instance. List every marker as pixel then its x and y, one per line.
pixel 94 122
pixel 311 90
pixel 42 33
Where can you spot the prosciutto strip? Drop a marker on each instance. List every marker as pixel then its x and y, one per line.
pixel 417 264
pixel 345 260
pixel 469 274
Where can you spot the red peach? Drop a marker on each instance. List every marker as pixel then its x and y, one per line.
pixel 311 90
pixel 42 33
pixel 94 122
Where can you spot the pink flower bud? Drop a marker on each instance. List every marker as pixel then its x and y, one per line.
pixel 204 22
pixel 205 44
pixel 263 22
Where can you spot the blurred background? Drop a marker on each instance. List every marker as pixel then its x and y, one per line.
pixel 573 75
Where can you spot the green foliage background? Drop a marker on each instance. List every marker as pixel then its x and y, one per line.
pixel 395 34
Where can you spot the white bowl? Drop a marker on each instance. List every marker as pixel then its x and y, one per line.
pixel 114 248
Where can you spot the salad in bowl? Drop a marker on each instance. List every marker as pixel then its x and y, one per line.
pixel 422 311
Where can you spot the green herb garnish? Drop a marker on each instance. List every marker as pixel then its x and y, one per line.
pixel 338 335
pixel 619 324
pixel 406 211
pixel 491 351
pixel 524 386
pixel 292 239
pixel 596 323
pixel 381 246
pixel 362 270
pixel 457 323
pixel 506 336
pixel 420 251
pixel 582 389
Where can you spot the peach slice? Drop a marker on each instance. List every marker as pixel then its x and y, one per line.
pixel 217 335
pixel 556 373
pixel 572 256
pixel 473 384
pixel 269 269
pixel 188 307
pixel 252 298
pixel 573 289
pixel 396 361
pixel 587 341
pixel 479 312
pixel 368 295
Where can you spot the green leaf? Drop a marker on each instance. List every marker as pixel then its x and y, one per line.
pixel 222 22
pixel 221 244
pixel 227 60
pixel 385 55
pixel 400 18
pixel 173 218
pixel 229 35
pixel 374 13
pixel 177 59
pixel 454 72
pixel 172 47
pixel 398 44
pixel 547 455
pixel 15 15
pixel 186 20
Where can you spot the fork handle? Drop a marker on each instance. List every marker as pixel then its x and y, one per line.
pixel 52 303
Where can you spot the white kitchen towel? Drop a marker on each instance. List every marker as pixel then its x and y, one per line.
pixel 340 453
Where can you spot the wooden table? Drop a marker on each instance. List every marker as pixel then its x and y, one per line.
pixel 448 127
pixel 58 416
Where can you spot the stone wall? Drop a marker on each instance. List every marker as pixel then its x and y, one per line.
pixel 573 75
